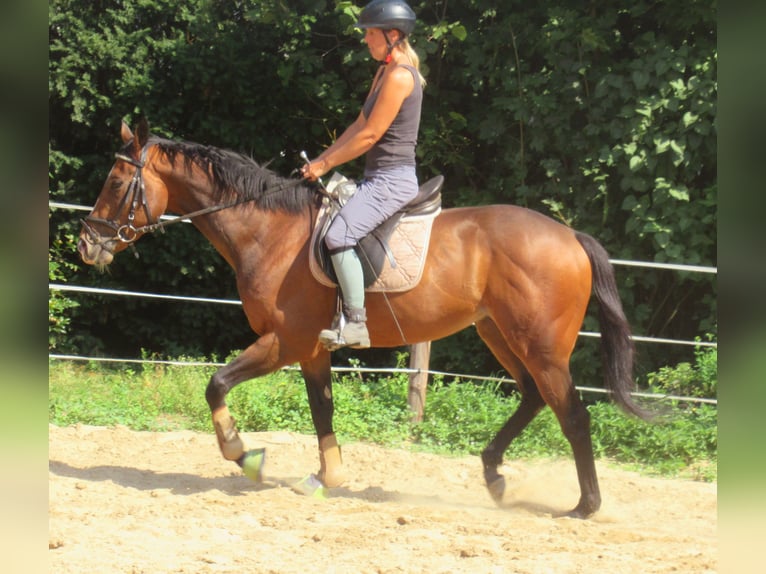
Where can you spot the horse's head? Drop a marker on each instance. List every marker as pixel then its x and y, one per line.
pixel 133 196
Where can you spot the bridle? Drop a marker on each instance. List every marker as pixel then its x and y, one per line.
pixel 136 194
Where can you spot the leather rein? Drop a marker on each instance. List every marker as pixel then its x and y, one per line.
pixel 136 194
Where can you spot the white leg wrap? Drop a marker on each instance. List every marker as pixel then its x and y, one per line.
pixel 331 470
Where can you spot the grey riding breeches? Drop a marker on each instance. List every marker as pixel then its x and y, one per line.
pixel 379 195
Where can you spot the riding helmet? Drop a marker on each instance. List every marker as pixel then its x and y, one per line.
pixel 387 15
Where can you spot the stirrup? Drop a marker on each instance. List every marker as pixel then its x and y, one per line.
pixel 331 339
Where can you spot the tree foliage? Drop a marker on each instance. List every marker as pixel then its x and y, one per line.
pixel 601 115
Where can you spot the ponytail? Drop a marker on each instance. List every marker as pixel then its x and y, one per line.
pixel 413 57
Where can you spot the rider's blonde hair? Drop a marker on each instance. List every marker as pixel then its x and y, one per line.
pixel 413 57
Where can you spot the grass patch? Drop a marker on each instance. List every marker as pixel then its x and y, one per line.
pixel 460 418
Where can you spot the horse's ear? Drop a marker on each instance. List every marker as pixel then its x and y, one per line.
pixel 142 134
pixel 125 132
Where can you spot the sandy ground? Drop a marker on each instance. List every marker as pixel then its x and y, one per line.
pixel 124 501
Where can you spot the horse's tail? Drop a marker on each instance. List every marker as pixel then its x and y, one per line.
pixel 617 347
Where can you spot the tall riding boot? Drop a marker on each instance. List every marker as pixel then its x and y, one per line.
pixel 353 333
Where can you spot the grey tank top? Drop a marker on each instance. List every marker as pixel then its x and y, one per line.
pixel 397 146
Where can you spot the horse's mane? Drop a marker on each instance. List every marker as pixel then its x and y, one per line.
pixel 237 177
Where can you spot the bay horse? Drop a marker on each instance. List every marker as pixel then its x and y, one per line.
pixel 523 279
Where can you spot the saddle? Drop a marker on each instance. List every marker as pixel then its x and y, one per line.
pixel 393 254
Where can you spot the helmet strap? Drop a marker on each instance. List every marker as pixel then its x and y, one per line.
pixel 391 45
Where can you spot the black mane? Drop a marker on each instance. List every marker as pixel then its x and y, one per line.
pixel 237 177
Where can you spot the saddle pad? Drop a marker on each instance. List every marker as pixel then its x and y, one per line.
pixel 408 243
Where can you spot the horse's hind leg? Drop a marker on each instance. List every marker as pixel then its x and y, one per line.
pixel 556 388
pixel 492 455
pixel 531 403
pixel 575 423
pixel 541 384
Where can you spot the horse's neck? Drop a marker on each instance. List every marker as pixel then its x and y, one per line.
pixel 241 232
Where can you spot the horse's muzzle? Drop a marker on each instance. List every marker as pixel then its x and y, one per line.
pixel 94 252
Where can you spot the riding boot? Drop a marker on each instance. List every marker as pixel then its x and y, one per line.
pixel 353 333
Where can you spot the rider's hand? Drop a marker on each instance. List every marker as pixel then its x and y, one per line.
pixel 314 169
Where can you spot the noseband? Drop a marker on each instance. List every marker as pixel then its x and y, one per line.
pixel 125 233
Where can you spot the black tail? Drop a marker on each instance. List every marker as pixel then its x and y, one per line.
pixel 616 344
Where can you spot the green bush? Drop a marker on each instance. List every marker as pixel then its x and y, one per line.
pixel 689 380
pixel 275 402
pixel 144 397
pixel 684 440
pixel 460 417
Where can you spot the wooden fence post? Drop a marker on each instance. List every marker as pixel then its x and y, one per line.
pixel 416 399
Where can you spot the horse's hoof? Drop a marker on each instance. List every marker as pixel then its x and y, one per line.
pixel 252 464
pixel 578 512
pixel 311 486
pixel 496 489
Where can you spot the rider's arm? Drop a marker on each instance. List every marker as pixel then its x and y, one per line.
pixel 365 132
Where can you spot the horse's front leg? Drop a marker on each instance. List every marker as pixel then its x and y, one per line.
pixel 260 358
pixel 318 379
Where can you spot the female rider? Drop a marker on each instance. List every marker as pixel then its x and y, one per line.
pixel 386 130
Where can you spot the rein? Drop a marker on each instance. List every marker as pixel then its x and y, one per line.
pixel 128 233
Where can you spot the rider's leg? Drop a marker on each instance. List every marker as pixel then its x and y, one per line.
pixel 378 197
pixel 348 270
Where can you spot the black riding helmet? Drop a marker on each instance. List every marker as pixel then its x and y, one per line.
pixel 388 15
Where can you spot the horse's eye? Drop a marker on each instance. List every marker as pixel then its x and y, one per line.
pixel 116 185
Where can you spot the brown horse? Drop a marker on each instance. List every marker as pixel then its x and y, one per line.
pixel 523 279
